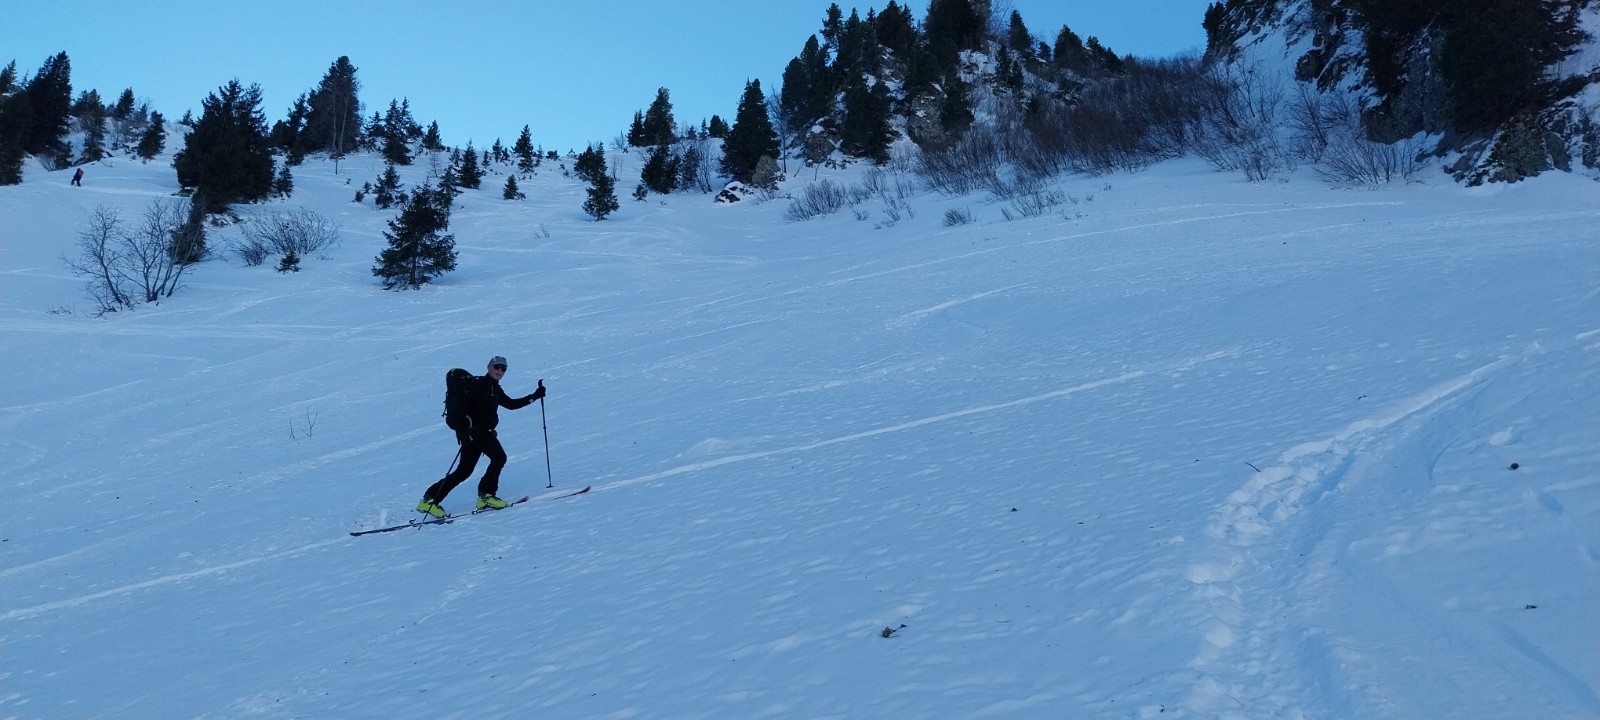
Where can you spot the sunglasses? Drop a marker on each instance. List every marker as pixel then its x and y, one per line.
pixel 499 366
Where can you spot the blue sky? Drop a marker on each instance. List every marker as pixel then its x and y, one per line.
pixel 573 72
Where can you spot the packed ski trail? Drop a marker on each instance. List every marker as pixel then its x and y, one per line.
pixel 1187 447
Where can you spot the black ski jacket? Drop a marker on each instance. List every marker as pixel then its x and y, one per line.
pixel 484 398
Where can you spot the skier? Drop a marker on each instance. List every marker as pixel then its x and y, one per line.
pixel 77 178
pixel 474 428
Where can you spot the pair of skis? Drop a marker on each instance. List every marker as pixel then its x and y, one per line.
pixel 452 518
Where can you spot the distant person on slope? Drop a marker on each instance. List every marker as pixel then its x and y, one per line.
pixel 77 178
pixel 474 422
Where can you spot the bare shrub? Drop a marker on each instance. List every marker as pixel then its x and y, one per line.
pixel 125 267
pixel 1240 131
pixel 971 164
pixel 1355 160
pixel 301 231
pixel 957 216
pixel 818 198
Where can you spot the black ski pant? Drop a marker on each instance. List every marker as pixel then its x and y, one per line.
pixel 474 444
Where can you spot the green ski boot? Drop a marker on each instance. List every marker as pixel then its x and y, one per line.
pixel 490 502
pixel 430 507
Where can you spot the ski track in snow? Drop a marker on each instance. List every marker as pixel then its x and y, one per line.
pixel 1248 651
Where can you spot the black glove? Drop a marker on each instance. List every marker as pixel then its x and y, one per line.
pixel 537 394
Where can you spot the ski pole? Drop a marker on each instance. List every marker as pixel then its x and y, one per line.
pixel 549 477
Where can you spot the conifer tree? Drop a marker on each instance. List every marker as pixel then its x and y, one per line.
pixel 288 134
pixel 523 149
pixel 690 168
pixel 93 122
pixel 386 192
pixel 717 127
pixel 333 117
pixel 512 192
pixel 751 137
pixel 154 139
pixel 865 131
pixel 418 250
pixel 49 96
pixel 16 117
pixel 8 78
pixel 124 107
pixel 602 199
pixel 952 26
pixel 660 173
pixel 469 175
pixel 658 125
pixel 591 163
pixel 955 113
pixel 227 158
pixel 431 140
pixel 283 184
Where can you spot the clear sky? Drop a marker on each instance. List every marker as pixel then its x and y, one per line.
pixel 575 72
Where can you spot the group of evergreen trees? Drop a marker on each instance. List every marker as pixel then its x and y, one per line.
pixel 838 84
pixel 37 116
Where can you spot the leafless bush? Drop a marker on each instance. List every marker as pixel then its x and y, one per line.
pixel 885 185
pixel 126 267
pixel 957 216
pixel 818 198
pixel 301 231
pixel 971 164
pixel 1314 119
pixel 1327 130
pixel 1240 131
pixel 1355 160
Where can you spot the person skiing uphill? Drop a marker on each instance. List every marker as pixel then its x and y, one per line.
pixel 474 423
pixel 77 178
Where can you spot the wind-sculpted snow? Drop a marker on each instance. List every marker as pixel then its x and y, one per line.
pixel 1190 448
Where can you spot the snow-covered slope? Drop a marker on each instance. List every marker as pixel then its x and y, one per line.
pixel 1184 447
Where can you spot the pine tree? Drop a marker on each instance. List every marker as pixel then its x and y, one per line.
pixel 689 169
pixel 290 262
pixel 228 158
pixel 8 78
pixel 468 174
pixel 1021 41
pixel 602 200
pixel 431 140
pixel 658 125
pixel 49 96
pixel 154 139
pixel 333 116
pixel 16 117
pixel 717 127
pixel 955 113
pixel 952 26
pixel 865 131
pixel 93 122
pixel 591 164
pixel 283 184
pixel 385 192
pixel 417 251
pixel 660 173
pixel 124 107
pixel 512 192
pixel 523 149
pixel 289 134
pixel 395 133
pixel 751 137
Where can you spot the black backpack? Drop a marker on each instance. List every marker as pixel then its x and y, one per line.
pixel 456 384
